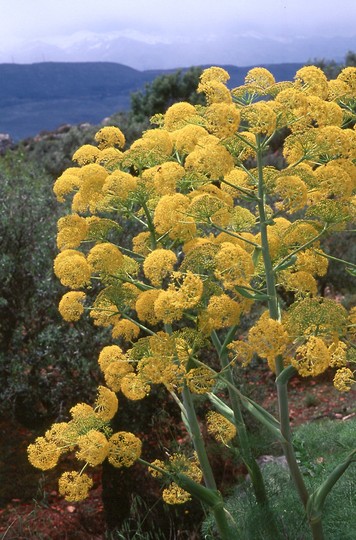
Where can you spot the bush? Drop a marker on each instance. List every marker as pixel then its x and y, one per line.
pixel 44 364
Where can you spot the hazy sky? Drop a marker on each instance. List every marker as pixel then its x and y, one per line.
pixel 62 22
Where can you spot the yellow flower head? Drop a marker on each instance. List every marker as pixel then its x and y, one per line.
pixel 145 306
pixel 93 447
pixel 72 269
pixel 115 372
pixel 110 136
pixel 338 356
pixel 178 115
pixel 171 217
pixel 312 81
pixel 268 338
pixel 69 181
pixel 158 265
pixel 90 192
pixel 71 305
pixel 124 449
pixel 189 292
pixel 151 369
pixel 167 307
pixel 220 427
pixel 241 351
pixel 260 118
pixel 333 142
pixel 134 387
pixel 86 154
pixel 310 261
pixel 334 181
pixel 141 243
pixel 126 330
pixel 234 265
pixel 212 160
pixel 207 208
pixel 312 358
pixel 222 311
pixel 112 353
pixel 174 494
pixel 167 176
pixel 187 138
pixel 299 146
pixel 260 78
pixel 74 486
pixel 84 419
pixel 293 192
pixel 118 186
pixel 242 147
pixel 106 404
pixel 222 119
pixel 348 76
pixel 105 258
pixel 344 379
pixel 43 454
pixel 215 92
pixel 321 315
pixel 214 74
pixel 104 312
pixel 301 282
pixel 110 158
pixel 200 380
pixel 239 178
pixel 72 230
pixel 178 463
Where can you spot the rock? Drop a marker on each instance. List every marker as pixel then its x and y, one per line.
pixel 6 143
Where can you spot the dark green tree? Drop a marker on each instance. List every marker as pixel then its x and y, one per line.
pixel 332 68
pixel 164 91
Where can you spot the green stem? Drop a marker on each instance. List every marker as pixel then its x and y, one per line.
pixel 270 279
pixel 226 531
pixel 254 244
pixel 220 514
pixel 282 391
pixel 197 439
pixel 300 248
pixel 245 448
pixel 331 257
pixel 150 225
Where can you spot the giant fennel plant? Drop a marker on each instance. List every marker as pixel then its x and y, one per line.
pixel 179 236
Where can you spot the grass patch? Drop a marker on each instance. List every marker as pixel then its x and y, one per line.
pixel 320 446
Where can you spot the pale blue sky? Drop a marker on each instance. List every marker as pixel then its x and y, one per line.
pixel 62 23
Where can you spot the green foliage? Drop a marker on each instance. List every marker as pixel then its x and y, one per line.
pixel 43 363
pixel 164 91
pixel 332 68
pixel 321 446
pixel 53 151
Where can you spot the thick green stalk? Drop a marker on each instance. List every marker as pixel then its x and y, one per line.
pixel 245 449
pixel 244 444
pixel 226 531
pixel 218 510
pixel 282 391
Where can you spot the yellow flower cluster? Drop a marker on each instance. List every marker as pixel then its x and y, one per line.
pixel 88 432
pixel 178 463
pixel 204 220
pixel 220 427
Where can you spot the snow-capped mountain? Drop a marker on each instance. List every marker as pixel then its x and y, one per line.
pixel 142 51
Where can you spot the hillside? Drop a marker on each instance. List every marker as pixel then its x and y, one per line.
pixel 36 97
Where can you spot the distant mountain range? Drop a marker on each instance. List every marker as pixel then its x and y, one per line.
pixel 42 96
pixel 144 51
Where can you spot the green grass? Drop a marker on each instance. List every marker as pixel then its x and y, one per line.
pixel 320 446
